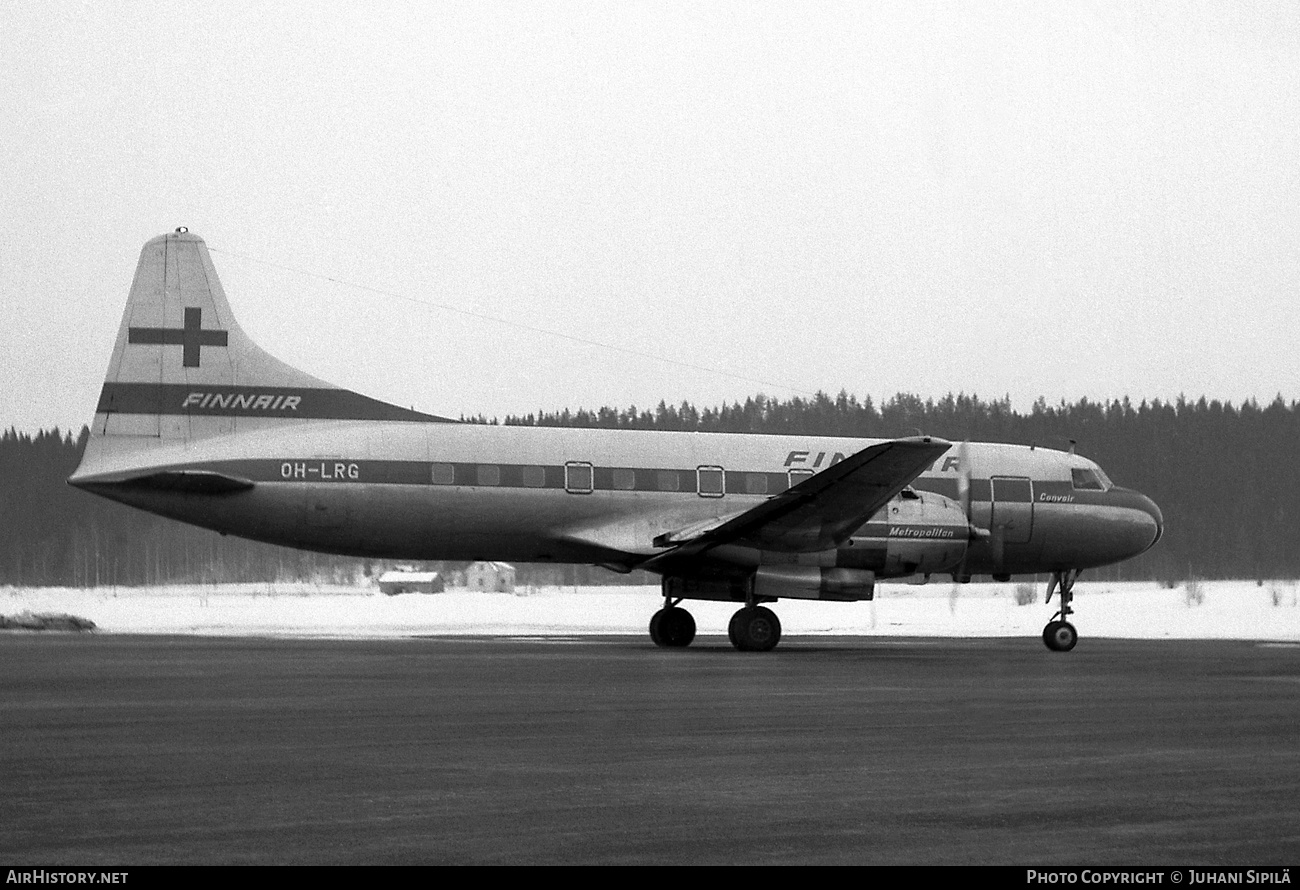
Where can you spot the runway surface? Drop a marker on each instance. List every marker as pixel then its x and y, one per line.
pixel 137 750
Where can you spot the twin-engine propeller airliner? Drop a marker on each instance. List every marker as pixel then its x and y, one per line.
pixel 198 423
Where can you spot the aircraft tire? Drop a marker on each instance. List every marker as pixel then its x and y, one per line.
pixel 754 629
pixel 1060 636
pixel 672 628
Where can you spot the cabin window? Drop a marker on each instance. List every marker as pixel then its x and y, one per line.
pixel 625 479
pixel 709 482
pixel 668 480
pixel 1011 489
pixel 488 474
pixel 797 476
pixel 444 474
pixel 755 483
pixel 1085 479
pixel 535 477
pixel 577 477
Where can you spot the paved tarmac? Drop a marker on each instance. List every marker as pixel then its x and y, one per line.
pixel 136 750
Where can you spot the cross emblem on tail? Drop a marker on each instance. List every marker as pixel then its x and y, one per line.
pixel 192 337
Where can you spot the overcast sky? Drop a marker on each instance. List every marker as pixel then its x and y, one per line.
pixel 1056 199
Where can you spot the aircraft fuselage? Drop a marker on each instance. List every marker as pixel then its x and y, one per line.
pixel 470 491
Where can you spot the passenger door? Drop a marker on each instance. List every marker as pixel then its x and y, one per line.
pixel 1013 508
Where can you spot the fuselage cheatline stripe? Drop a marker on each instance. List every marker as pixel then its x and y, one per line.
pixel 636 479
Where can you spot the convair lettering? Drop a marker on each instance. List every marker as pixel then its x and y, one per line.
pixel 1055 498
pixel 252 401
pixel 801 457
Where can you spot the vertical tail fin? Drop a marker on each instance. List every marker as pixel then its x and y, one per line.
pixel 183 369
pixel 179 343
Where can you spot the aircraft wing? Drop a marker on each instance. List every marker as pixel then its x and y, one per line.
pixel 819 513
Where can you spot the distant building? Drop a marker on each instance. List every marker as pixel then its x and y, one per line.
pixel 395 582
pixel 495 576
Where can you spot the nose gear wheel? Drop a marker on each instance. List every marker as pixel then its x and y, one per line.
pixel 1059 635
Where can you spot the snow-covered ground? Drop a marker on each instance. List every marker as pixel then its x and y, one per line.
pixel 1228 610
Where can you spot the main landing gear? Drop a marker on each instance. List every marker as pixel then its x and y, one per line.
pixel 672 627
pixel 752 629
pixel 1059 635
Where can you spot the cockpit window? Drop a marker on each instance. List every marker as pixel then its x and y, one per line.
pixel 1087 479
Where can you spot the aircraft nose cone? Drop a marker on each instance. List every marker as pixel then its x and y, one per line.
pixel 1134 526
pixel 1144 523
pixel 1157 519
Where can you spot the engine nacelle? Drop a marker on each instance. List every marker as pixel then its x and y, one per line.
pixel 917 533
pixel 814 583
pixel 768 583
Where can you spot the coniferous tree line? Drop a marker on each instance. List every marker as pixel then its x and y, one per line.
pixel 1226 478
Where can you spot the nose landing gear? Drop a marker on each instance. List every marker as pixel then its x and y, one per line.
pixel 1059 635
